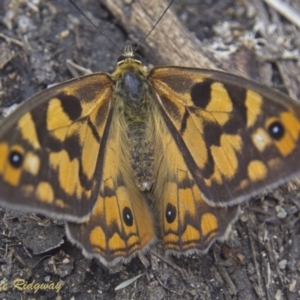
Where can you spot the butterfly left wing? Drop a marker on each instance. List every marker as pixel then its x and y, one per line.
pixel 62 155
pixel 237 137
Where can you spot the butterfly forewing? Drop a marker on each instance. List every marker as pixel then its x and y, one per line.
pixel 52 146
pixel 236 136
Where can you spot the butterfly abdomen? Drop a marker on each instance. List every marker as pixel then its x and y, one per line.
pixel 141 156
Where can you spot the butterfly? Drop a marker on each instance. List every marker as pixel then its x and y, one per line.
pixel 140 155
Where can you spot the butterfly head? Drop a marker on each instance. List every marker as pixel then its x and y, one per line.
pixel 129 55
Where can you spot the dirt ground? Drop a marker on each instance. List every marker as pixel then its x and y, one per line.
pixel 260 259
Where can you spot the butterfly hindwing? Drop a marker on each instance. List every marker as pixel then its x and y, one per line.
pixel 187 223
pixel 236 136
pixel 51 148
pixel 120 223
pixel 118 227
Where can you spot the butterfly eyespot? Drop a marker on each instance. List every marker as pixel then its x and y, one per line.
pixel 171 213
pixel 127 216
pixel 15 159
pixel 276 130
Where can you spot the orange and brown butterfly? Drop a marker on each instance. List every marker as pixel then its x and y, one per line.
pixel 92 151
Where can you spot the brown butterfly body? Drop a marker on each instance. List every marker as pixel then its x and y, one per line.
pixel 126 157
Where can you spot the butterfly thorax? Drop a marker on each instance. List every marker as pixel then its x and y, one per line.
pixel 132 100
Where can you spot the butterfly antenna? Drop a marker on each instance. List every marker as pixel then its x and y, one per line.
pixel 91 22
pixel 162 15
